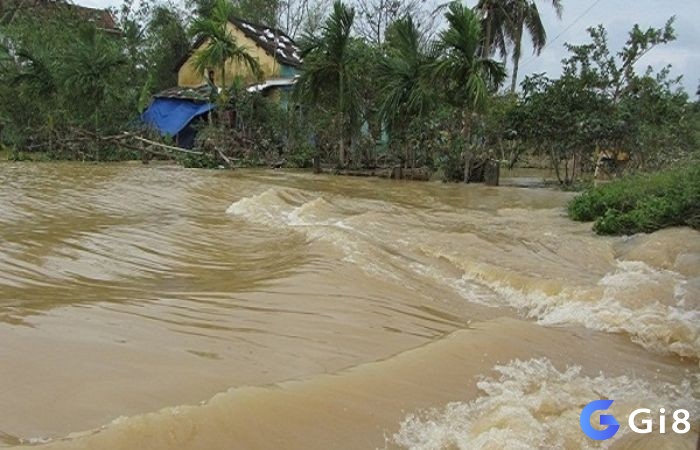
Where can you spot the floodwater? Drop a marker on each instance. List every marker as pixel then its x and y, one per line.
pixel 163 308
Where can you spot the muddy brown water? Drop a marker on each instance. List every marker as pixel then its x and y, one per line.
pixel 165 308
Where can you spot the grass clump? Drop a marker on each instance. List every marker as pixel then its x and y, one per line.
pixel 642 203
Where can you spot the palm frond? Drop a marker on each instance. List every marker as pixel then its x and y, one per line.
pixel 535 28
pixel 220 45
pixel 467 77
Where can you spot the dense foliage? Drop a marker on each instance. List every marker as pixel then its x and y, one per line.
pixel 642 203
pixel 601 102
pixel 384 84
pixel 65 84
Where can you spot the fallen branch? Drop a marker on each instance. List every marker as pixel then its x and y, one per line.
pixel 225 158
pixel 158 144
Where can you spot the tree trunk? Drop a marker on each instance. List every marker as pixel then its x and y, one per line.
pixel 467 127
pixel 341 142
pixel 97 144
pixel 220 100
pixel 317 162
pixel 467 136
pixel 492 173
pixel 517 48
pixel 555 164
pixel 468 163
pixel 341 125
pixel 486 51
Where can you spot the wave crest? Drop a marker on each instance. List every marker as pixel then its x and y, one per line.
pixel 532 404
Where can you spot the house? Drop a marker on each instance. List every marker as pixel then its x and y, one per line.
pixel 172 112
pixel 101 18
pixel 278 55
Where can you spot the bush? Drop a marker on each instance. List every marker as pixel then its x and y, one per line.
pixel 642 203
pixel 203 161
pixel 301 157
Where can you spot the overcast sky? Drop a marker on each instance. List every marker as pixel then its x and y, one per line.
pixel 618 16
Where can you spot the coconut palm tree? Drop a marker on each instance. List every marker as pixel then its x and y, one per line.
pixel 526 16
pixel 496 22
pixel 467 75
pixel 220 46
pixel 327 75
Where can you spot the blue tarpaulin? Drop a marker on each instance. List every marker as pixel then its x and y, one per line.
pixel 171 115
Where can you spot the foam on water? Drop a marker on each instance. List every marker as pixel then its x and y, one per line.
pixel 532 404
pixel 663 323
pixel 648 301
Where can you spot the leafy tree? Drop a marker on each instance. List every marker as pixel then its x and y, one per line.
pixel 62 76
pixel 264 12
pixel 562 117
pixel 600 101
pixel 86 71
pixel 375 17
pixel 167 43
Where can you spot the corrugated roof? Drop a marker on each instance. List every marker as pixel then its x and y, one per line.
pixel 274 41
pixel 101 18
pixel 203 93
pixel 199 94
pixel 271 84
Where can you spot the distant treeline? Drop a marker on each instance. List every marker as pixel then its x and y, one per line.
pixel 383 83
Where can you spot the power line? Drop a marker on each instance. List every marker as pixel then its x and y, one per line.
pixel 569 27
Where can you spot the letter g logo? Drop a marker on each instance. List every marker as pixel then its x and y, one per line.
pixel 598 435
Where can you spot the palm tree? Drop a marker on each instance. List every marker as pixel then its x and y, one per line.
pixel 404 78
pixel 468 76
pixel 34 76
pixel 88 68
pixel 403 73
pixel 496 22
pixel 525 15
pixel 168 39
pixel 34 72
pixel 327 75
pixel 87 72
pixel 221 45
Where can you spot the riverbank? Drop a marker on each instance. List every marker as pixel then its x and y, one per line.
pixel 642 203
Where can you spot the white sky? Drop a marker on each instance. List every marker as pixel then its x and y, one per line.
pixel 618 16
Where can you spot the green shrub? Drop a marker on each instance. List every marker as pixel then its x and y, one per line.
pixel 198 161
pixel 301 157
pixel 642 203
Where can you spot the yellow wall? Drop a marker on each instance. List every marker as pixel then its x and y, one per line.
pixel 189 77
